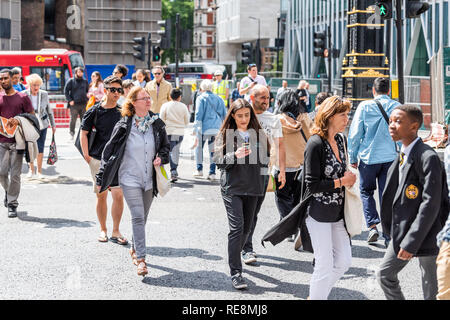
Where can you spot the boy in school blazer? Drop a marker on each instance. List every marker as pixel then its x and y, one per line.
pixel 414 206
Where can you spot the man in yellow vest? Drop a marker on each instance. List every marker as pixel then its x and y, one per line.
pixel 220 87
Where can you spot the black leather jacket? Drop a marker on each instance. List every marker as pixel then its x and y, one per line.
pixel 113 153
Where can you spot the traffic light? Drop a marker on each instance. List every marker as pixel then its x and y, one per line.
pixel 385 7
pixel 165 33
pixel 156 55
pixel 415 8
pixel 247 53
pixel 319 43
pixel 139 48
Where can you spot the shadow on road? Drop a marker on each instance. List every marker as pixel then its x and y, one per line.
pixel 366 252
pixel 181 252
pixel 55 222
pixel 191 182
pixel 60 180
pixel 198 280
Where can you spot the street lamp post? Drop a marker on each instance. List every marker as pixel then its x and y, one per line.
pixel 216 42
pixel 258 44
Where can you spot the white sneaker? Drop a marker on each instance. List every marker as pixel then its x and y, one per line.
pixel 211 177
pixel 198 173
pixel 40 176
pixel 30 174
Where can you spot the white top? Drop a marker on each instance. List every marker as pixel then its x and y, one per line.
pixel 34 102
pixel 247 81
pixel 271 125
pixel 175 115
pixel 406 151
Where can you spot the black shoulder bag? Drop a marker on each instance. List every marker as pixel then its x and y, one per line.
pixel 90 136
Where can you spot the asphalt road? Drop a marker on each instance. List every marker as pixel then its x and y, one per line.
pixel 50 251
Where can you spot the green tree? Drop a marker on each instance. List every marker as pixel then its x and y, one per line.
pixel 170 8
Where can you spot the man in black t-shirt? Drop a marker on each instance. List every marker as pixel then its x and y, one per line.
pixel 104 116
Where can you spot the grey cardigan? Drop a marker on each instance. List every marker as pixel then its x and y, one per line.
pixel 44 112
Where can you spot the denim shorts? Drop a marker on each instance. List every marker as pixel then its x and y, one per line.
pixel 41 140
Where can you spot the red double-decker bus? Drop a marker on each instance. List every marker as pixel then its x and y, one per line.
pixel 55 67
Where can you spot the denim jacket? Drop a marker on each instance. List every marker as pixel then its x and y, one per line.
pixel 210 114
pixel 369 138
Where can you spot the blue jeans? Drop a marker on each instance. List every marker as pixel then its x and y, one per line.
pixel 199 152
pixel 368 176
pixel 175 143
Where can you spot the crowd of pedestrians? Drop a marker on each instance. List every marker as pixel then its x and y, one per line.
pixel 134 127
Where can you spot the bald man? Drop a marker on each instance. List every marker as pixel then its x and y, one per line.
pixel 270 123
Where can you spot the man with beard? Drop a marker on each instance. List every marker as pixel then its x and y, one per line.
pixel 271 125
pixel 12 103
pixel 76 90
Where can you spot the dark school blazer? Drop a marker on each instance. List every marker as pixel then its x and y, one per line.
pixel 414 210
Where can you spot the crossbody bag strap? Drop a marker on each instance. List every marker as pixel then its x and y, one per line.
pixel 385 116
pixel 303 134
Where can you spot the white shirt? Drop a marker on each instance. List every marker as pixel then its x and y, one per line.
pixel 34 102
pixel 271 125
pixel 247 81
pixel 406 151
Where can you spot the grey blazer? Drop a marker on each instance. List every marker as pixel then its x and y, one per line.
pixel 44 111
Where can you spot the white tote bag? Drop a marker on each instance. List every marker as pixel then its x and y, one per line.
pixel 353 208
pixel 162 181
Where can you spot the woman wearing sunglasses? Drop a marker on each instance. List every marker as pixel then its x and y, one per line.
pixel 138 144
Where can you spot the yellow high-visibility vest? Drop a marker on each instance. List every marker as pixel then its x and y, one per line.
pixel 221 90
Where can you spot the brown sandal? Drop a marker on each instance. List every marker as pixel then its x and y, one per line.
pixel 142 268
pixel 133 257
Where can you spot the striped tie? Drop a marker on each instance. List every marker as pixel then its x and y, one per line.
pixel 402 158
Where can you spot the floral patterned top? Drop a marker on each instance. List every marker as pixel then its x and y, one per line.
pixel 333 170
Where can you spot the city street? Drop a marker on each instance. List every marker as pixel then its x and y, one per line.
pixel 51 250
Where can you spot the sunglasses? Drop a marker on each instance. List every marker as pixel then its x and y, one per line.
pixel 114 90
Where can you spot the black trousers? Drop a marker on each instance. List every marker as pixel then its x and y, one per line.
pixel 288 197
pixel 240 212
pixel 248 246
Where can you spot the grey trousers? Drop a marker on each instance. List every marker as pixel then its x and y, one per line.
pixel 75 111
pixel 390 267
pixel 10 164
pixel 139 202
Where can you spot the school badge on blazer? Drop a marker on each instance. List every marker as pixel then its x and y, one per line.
pixel 412 192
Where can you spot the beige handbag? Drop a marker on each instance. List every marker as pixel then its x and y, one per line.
pixel 162 181
pixel 353 208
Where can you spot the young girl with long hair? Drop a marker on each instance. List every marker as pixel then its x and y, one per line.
pixel 242 155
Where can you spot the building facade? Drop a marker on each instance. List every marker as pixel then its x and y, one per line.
pixel 205 31
pixel 10 29
pixel 422 37
pixel 240 21
pixel 111 25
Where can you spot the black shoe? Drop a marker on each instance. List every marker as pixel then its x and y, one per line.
pixel 238 282
pixel 373 235
pixel 12 212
